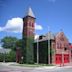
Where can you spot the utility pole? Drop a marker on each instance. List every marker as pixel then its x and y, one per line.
pixel 37 51
pixel 48 46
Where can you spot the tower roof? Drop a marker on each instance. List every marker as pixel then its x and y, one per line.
pixel 30 13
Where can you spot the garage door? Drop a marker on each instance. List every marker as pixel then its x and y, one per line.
pixel 66 58
pixel 58 58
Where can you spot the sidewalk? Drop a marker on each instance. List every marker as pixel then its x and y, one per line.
pixel 7 63
pixel 42 67
pixel 67 65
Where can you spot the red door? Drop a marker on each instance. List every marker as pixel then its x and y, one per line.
pixel 58 58
pixel 71 57
pixel 66 58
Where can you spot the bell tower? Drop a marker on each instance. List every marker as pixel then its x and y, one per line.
pixel 28 36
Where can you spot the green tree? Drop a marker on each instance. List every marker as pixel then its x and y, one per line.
pixel 9 42
pixel 10 57
pixel 1 57
pixel 19 43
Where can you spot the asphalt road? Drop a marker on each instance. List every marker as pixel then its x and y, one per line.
pixel 27 69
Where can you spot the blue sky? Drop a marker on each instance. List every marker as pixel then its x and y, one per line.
pixel 55 14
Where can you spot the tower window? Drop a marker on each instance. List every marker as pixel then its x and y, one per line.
pixel 32 24
pixel 25 24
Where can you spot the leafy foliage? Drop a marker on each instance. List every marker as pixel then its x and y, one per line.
pixel 1 57
pixel 11 43
pixel 19 43
pixel 9 57
pixel 28 50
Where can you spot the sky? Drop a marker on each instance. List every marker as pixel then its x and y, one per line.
pixel 51 15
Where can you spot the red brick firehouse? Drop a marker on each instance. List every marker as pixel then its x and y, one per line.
pixel 59 46
pixel 62 49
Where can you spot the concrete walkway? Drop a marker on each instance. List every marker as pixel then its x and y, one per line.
pixel 42 67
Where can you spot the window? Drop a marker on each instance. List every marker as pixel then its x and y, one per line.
pixel 25 24
pixel 65 48
pixel 58 45
pixel 32 24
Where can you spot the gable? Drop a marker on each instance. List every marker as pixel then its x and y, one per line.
pixel 61 37
pixel 61 40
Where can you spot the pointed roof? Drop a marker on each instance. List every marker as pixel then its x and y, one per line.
pixel 30 13
pixel 50 35
pixel 60 34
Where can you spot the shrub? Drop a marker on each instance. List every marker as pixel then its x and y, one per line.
pixel 9 57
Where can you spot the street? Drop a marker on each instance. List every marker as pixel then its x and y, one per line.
pixel 5 68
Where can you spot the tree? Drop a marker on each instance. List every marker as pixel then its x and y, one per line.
pixel 1 57
pixel 19 43
pixel 10 57
pixel 9 42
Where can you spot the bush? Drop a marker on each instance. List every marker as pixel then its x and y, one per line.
pixel 1 57
pixel 9 57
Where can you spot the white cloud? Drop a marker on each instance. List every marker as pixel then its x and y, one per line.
pixel 16 25
pixel 36 36
pixel 13 25
pixel 38 27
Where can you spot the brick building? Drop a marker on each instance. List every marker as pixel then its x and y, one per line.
pixel 59 51
pixel 47 49
pixel 28 37
pixel 63 52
